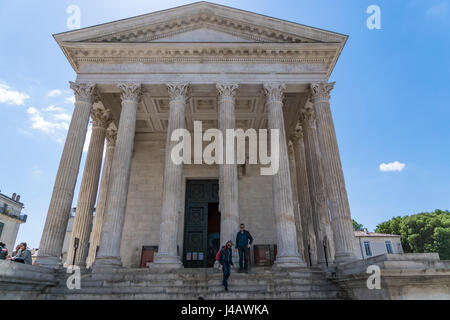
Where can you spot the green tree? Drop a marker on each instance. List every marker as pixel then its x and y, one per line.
pixel 421 233
pixel 357 226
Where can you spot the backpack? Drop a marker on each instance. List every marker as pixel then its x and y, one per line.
pixel 219 253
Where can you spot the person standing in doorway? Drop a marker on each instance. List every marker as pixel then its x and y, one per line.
pixel 226 261
pixel 243 243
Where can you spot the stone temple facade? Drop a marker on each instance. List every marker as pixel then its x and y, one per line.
pixel 140 80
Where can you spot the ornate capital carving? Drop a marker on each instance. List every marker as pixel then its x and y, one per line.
pixel 101 117
pixel 131 91
pixel 298 133
pixel 84 92
pixel 321 91
pixel 178 92
pixel 111 135
pixel 308 117
pixel 274 92
pixel 227 90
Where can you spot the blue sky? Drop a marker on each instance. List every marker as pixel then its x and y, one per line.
pixel 390 104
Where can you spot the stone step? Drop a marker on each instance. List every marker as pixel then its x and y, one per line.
pixel 230 295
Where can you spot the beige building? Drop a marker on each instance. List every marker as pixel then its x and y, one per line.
pixel 11 218
pixel 372 244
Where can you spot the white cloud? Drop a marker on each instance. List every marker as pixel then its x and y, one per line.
pixel 12 96
pixel 54 93
pixel 393 166
pixel 438 11
pixel 52 107
pixel 62 116
pixel 56 127
pixel 70 100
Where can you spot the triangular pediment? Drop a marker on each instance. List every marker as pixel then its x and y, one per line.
pixel 201 22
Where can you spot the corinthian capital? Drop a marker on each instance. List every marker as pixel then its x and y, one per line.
pixel 227 90
pixel 111 135
pixel 308 117
pixel 297 134
pixel 84 92
pixel 101 117
pixel 178 91
pixel 321 91
pixel 274 92
pixel 131 91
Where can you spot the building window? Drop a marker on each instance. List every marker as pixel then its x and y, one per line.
pixel 367 247
pixel 389 247
pixel 1 228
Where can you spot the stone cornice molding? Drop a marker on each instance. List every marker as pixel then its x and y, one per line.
pixel 320 92
pixel 111 135
pixel 131 92
pixel 85 92
pixel 101 117
pixel 227 91
pixel 178 92
pixel 274 92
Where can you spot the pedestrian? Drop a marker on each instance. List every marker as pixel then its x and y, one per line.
pixel 226 261
pixel 244 241
pixel 23 255
pixel 3 251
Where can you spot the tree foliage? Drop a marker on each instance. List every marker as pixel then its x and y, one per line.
pixel 421 233
pixel 357 226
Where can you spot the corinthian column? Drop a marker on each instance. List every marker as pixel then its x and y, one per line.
pixel 167 256
pixel 109 251
pixel 82 224
pixel 317 192
pixel 111 135
pixel 297 213
pixel 309 236
pixel 58 214
pixel 228 177
pixel 288 255
pixel 335 184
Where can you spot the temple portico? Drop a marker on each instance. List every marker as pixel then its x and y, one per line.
pixel 140 80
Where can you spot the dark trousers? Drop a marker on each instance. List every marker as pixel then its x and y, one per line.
pixel 226 267
pixel 243 258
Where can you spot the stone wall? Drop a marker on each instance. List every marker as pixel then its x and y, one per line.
pixel 142 218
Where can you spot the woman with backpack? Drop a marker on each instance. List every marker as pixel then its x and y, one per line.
pixel 226 261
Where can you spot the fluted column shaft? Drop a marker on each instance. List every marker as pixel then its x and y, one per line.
pixel 288 255
pixel 304 198
pixel 321 216
pixel 111 135
pixel 228 177
pixel 52 239
pixel 335 183
pixel 302 249
pixel 82 224
pixel 109 251
pixel 167 255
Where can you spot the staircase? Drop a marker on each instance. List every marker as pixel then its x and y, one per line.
pixel 194 284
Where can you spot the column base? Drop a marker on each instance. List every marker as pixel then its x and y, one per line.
pixel 48 262
pixel 344 257
pixel 107 262
pixel 289 262
pixel 167 262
